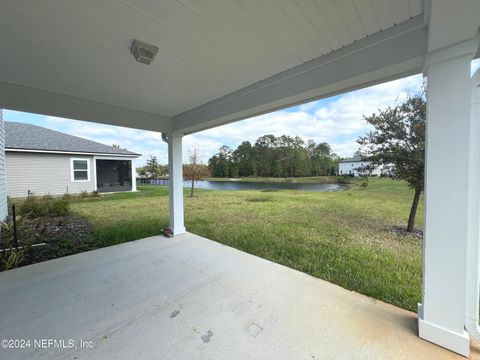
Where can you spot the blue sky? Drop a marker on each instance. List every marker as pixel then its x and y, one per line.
pixel 337 120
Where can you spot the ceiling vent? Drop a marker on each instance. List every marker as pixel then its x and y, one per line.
pixel 143 52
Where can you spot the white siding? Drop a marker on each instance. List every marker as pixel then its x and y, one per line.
pixel 3 189
pixel 44 174
pixel 351 168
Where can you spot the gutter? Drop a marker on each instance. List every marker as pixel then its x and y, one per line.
pixel 134 155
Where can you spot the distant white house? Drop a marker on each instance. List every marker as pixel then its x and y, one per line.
pixel 43 161
pixel 354 166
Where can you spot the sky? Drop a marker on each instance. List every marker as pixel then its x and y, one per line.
pixel 337 120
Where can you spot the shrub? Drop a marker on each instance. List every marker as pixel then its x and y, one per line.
pixel 364 184
pixel 45 206
pixel 343 180
pixel 84 194
pixel 11 256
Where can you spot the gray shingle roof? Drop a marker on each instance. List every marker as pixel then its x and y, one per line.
pixel 33 137
pixel 352 159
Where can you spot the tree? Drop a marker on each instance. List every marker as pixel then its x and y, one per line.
pixel 194 170
pixel 243 156
pixel 282 156
pixel 398 142
pixel 162 170
pixel 152 166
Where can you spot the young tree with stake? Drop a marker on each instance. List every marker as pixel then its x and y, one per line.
pixel 194 170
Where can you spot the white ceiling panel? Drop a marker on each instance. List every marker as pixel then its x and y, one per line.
pixel 351 19
pixel 207 48
pixel 383 12
pixel 415 7
pixel 367 15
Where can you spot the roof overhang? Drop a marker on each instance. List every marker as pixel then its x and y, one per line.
pixel 384 56
pixel 218 62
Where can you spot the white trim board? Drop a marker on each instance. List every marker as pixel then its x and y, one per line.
pixel 72 170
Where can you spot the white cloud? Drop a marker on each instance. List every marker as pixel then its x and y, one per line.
pixel 337 120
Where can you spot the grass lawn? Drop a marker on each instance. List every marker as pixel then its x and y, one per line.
pixel 342 237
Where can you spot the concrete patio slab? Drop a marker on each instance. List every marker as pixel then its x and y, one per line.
pixel 191 298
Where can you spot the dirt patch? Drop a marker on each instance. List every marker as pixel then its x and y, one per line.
pixel 416 233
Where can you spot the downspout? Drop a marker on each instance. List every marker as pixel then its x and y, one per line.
pixel 473 235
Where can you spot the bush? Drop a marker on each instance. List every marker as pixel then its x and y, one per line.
pixel 67 196
pixel 46 206
pixel 10 255
pixel 83 195
pixel 343 180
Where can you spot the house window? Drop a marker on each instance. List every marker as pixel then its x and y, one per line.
pixel 80 170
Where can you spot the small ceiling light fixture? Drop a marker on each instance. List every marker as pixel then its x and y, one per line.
pixel 143 52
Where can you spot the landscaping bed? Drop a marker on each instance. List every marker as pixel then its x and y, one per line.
pixel 44 229
pixel 59 236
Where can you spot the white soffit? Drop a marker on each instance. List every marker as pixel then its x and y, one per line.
pixel 207 48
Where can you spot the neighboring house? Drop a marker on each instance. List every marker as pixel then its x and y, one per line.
pixel 356 167
pixel 43 161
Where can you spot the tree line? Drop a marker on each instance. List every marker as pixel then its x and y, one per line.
pixel 272 156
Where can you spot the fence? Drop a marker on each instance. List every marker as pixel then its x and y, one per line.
pixel 147 181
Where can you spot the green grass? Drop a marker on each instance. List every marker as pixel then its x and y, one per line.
pixel 341 237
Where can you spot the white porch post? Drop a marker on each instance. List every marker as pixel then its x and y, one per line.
pixel 442 312
pixel 134 176
pixel 175 183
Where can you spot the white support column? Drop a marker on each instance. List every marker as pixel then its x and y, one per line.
pixel 94 172
pixel 441 316
pixel 175 183
pixel 134 176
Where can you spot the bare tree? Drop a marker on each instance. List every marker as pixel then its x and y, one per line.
pixel 194 170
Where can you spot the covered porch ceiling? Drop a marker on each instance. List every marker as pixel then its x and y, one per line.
pixel 218 61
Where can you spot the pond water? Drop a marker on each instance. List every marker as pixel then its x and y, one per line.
pixel 240 185
pixel 245 185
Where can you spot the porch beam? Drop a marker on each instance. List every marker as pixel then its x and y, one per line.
pixel 441 317
pixel 387 55
pixel 175 183
pixel 22 98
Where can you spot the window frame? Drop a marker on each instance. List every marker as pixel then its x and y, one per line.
pixel 72 169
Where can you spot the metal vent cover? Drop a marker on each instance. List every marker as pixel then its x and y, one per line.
pixel 143 52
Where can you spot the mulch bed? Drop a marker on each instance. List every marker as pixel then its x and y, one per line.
pixel 62 236
pixel 417 233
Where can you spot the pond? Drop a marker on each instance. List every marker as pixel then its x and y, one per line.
pixel 245 185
